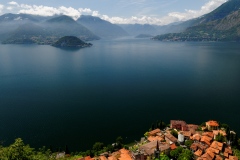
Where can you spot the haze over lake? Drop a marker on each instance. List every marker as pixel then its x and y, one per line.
pixel 50 96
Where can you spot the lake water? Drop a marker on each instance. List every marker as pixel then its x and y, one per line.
pixel 50 96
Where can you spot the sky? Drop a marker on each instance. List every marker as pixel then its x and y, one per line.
pixel 159 12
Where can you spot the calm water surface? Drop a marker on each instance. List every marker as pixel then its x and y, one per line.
pixel 50 96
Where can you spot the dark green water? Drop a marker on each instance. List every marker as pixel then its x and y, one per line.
pixel 50 96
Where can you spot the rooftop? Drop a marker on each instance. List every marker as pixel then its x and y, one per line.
pixel 212 123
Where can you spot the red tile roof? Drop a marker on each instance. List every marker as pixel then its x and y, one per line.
pixel 187 133
pixel 217 145
pixel 209 134
pixel 212 123
pixel 233 158
pixel 198 152
pixel 125 155
pixel 173 146
pixel 154 132
pixel 213 150
pixel 215 132
pixel 206 140
pixel 228 150
pixel 155 138
pixel 196 137
pixel 218 157
pixel 171 137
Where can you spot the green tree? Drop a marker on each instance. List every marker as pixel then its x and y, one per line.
pixel 110 148
pixel 174 154
pixel 185 155
pixel 220 138
pixel 18 151
pixel 146 134
pixel 164 157
pixel 188 143
pixel 119 140
pixel 174 133
pixel 98 146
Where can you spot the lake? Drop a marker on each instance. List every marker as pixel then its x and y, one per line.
pixel 50 96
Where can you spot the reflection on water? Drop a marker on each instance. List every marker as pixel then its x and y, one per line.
pixel 50 96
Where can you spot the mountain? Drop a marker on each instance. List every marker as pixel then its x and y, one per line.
pixel 136 29
pixel 21 28
pixel 27 33
pixel 222 24
pixel 10 22
pixel 66 26
pixel 9 17
pixel 100 27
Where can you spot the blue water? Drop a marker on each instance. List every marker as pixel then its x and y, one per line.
pixel 50 96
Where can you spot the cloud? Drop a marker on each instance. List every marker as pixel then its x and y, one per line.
pixel 50 11
pixel 13 3
pixel 1 8
pixel 142 19
pixel 189 14
pixel 85 10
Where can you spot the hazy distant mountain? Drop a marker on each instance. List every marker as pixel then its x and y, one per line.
pixel 26 33
pixel 136 29
pixel 222 24
pixel 66 26
pixel 44 30
pixel 102 28
pixel 9 17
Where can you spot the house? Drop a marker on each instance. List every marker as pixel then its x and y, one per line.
pixel 213 150
pixel 139 156
pixel 198 153
pixel 195 146
pixel 192 128
pixel 154 132
pixel 196 137
pixel 212 125
pixel 150 147
pixel 206 140
pixel 216 132
pixel 179 125
pixel 227 152
pixel 218 157
pixel 102 158
pixel 187 134
pixel 124 154
pixel 170 138
pixel 232 158
pixel 155 138
pixel 209 134
pixel 217 145
pixel 206 156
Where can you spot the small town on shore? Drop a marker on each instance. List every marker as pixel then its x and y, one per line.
pixel 179 140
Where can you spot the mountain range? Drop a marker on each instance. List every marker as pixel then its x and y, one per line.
pixel 222 24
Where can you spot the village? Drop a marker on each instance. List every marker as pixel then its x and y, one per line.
pixel 181 141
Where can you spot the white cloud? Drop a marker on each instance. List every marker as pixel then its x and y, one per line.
pixel 38 10
pixel 13 3
pixel 1 8
pixel 9 8
pixel 76 13
pixel 95 13
pixel 85 10
pixel 189 14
